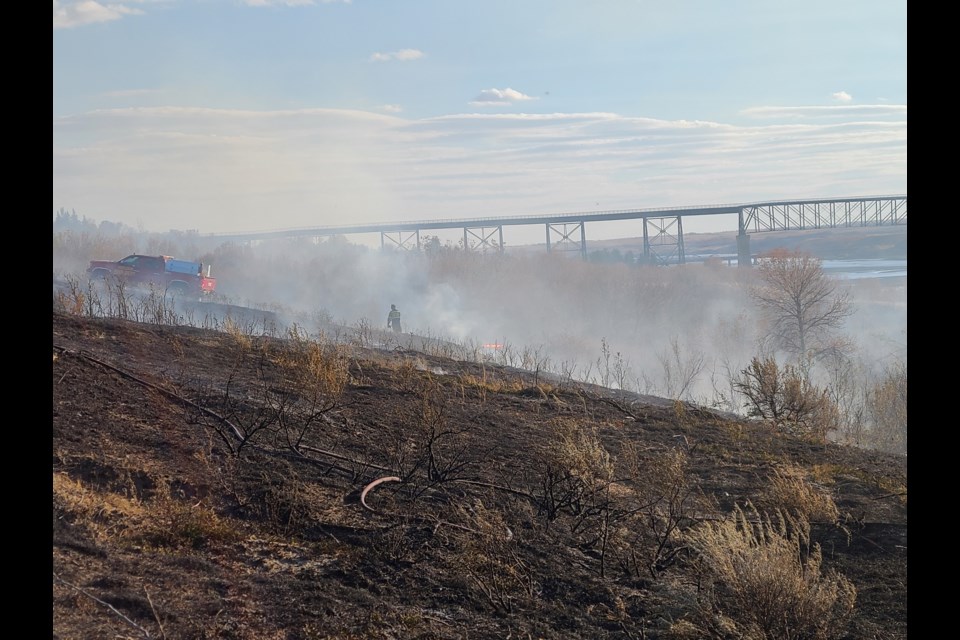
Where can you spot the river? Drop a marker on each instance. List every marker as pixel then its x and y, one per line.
pixel 859 269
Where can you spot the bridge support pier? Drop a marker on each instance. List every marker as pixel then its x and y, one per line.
pixel 483 239
pixel 408 241
pixel 743 250
pixel 566 230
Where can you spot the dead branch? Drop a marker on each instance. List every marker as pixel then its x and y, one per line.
pixel 146 634
pixel 155 615
pixel 146 383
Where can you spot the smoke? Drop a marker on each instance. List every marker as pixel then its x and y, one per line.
pixel 879 319
pixel 565 310
pixel 638 328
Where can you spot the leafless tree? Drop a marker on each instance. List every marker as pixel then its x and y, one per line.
pixel 801 303
pixel 680 369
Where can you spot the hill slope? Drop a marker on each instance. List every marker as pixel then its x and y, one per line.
pixel 212 485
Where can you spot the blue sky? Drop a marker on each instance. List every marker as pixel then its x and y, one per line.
pixel 243 115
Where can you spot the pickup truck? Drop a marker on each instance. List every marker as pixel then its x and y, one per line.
pixel 177 277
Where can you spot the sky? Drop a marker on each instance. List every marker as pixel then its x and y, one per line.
pixel 225 116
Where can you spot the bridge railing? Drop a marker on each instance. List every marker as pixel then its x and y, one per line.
pixel 756 216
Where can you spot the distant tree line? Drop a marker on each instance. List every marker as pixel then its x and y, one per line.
pixel 65 220
pixel 613 256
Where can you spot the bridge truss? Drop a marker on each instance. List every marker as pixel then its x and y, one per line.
pixel 823 214
pixel 662 227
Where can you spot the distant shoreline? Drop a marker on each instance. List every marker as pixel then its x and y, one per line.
pixel 850 243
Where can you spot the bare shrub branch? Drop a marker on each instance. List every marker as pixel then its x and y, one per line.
pixel 680 370
pixel 495 567
pixel 786 399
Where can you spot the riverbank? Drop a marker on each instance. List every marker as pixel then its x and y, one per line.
pixel 853 243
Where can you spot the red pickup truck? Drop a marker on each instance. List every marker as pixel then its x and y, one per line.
pixel 179 277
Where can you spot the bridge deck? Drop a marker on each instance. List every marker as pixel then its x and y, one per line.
pixel 662 227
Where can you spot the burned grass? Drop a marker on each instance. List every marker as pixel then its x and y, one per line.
pixel 207 484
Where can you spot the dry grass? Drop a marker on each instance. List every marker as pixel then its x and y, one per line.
pixel 162 521
pixel 494 567
pixel 107 514
pixel 579 450
pixel 828 474
pixel 316 369
pixel 790 490
pixel 171 522
pixel 489 383
pixel 241 338
pixel 764 580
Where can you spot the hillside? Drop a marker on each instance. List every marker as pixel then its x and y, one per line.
pixel 214 484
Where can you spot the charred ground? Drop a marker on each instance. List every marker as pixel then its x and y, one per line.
pixel 166 526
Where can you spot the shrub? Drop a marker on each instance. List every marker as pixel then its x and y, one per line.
pixel 766 579
pixel 493 564
pixel 664 497
pixel 316 374
pixel 577 472
pixel 280 502
pixel 887 408
pixel 787 399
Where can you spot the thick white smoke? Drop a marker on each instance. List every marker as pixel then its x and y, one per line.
pixel 616 324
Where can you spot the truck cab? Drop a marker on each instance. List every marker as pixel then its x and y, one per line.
pixel 179 277
pixel 131 265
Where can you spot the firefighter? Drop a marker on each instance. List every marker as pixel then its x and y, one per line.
pixel 393 319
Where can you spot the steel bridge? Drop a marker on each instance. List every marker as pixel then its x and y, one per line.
pixel 662 227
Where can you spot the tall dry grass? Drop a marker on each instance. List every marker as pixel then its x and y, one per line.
pixel 764 580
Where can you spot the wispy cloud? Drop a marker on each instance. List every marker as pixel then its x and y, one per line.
pixel 831 111
pixel 132 93
pixel 402 55
pixel 842 96
pixel 222 169
pixel 291 3
pixel 68 14
pixel 499 97
pixel 391 108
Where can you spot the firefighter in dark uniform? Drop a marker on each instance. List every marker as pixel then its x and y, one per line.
pixel 393 319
